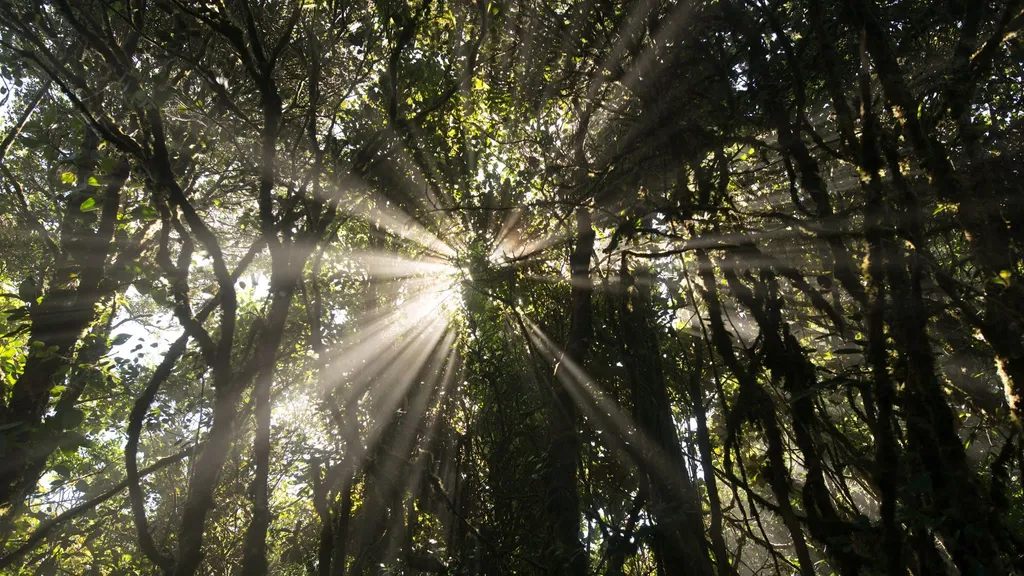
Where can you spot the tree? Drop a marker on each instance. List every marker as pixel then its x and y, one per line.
pixel 434 287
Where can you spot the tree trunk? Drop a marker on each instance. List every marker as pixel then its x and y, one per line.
pixel 707 463
pixel 66 310
pixel 679 533
pixel 754 403
pixel 563 456
pixel 964 518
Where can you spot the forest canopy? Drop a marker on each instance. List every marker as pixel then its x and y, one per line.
pixel 501 287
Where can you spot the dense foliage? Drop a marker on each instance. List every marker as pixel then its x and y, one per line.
pixel 497 287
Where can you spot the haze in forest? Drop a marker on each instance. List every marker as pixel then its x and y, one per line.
pixel 509 287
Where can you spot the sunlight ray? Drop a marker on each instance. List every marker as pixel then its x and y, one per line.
pixel 605 413
pixel 570 37
pixel 526 251
pixel 380 264
pixel 400 376
pixel 634 25
pixel 386 390
pixel 380 211
pixel 374 349
pixel 404 226
pixel 521 287
pixel 666 35
pixel 552 279
pixel 432 393
pixel 507 228
pixel 421 395
pixel 416 180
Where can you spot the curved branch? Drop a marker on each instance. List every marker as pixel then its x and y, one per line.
pixel 47 527
pixel 141 408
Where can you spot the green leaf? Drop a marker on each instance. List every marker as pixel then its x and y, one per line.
pixel 93 181
pixel 88 206
pixel 68 178
pixel 120 339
